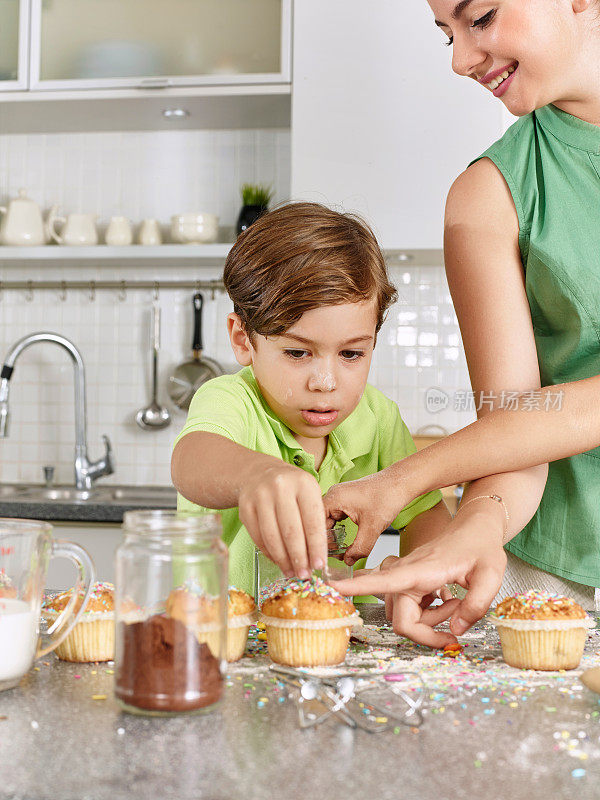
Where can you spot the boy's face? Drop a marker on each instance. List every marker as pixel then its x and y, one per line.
pixel 313 375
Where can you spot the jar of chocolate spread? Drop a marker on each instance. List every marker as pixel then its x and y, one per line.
pixel 170 612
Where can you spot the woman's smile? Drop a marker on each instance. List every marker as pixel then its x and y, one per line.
pixel 493 80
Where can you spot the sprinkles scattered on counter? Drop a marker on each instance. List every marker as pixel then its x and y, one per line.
pixel 468 683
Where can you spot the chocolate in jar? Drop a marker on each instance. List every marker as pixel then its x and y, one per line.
pixel 164 668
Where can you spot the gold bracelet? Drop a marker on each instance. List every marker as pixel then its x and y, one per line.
pixel 498 499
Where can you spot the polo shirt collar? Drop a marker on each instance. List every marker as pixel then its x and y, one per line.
pixel 569 129
pixel 357 433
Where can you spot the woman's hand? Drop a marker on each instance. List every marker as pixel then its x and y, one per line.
pixel 388 562
pixel 372 503
pixel 469 553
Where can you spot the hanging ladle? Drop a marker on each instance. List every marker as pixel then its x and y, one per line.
pixel 154 417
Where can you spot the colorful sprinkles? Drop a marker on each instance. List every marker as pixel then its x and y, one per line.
pixel 303 587
pixel 531 602
pixel 102 593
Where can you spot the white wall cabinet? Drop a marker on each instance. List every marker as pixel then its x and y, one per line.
pixel 158 43
pixel 14 37
pixel 70 45
pixel 380 123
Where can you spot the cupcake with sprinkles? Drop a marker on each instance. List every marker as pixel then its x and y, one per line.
pixel 93 638
pixel 307 622
pixel 190 604
pixel 541 630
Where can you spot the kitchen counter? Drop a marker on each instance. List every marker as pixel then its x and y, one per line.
pixel 103 503
pixel 489 731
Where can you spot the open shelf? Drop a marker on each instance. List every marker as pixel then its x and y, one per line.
pixel 174 253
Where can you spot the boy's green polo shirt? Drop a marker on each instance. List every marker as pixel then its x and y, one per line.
pixel 371 438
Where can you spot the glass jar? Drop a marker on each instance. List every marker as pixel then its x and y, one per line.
pixel 170 612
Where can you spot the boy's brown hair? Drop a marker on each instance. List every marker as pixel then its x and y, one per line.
pixel 301 256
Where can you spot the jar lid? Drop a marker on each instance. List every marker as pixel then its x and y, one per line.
pixel 168 523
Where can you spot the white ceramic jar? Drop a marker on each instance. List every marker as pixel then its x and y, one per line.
pixel 149 233
pixel 119 232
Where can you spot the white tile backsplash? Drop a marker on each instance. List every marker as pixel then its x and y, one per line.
pixel 146 173
pixel 156 174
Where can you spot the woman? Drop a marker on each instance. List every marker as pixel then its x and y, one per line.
pixel 522 253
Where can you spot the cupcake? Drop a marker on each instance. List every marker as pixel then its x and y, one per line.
pixel 93 638
pixel 241 614
pixel 539 630
pixel 192 606
pixel 308 623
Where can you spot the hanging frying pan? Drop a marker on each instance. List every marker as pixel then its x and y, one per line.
pixel 190 375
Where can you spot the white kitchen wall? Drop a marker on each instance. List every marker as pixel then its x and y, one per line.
pixel 418 360
pixel 145 173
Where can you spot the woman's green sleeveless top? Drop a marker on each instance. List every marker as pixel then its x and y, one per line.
pixel 551 162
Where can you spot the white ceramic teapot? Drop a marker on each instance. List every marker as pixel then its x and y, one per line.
pixel 22 223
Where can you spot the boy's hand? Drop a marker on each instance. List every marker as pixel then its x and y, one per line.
pixel 469 553
pixel 282 509
pixel 367 503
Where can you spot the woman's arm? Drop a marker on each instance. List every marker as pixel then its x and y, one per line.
pixel 554 423
pixel 424 528
pixel 486 279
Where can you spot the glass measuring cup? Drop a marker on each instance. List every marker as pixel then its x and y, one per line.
pixel 26 547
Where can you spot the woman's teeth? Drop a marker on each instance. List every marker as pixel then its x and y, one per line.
pixel 495 83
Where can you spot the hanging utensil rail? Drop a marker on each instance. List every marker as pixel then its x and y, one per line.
pixel 126 285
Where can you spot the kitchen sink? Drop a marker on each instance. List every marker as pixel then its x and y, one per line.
pixel 59 494
pixel 130 496
pixel 159 496
pixel 11 491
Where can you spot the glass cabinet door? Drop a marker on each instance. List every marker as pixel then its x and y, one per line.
pixel 14 20
pixel 94 43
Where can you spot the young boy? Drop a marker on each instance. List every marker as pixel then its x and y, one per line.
pixel 310 292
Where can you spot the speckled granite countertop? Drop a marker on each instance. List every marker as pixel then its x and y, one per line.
pixel 64 512
pixel 490 731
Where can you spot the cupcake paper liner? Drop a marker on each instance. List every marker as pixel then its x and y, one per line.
pixel 237 635
pixel 543 644
pixel 90 640
pixel 299 647
pixel 241 620
pixel 237 639
pixel 309 642
pixel 543 624
pixel 87 616
pixel 350 621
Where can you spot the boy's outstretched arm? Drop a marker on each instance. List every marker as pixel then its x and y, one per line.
pixel 280 504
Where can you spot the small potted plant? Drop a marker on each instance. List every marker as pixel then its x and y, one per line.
pixel 255 199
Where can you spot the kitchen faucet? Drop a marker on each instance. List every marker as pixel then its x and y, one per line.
pixel 85 471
